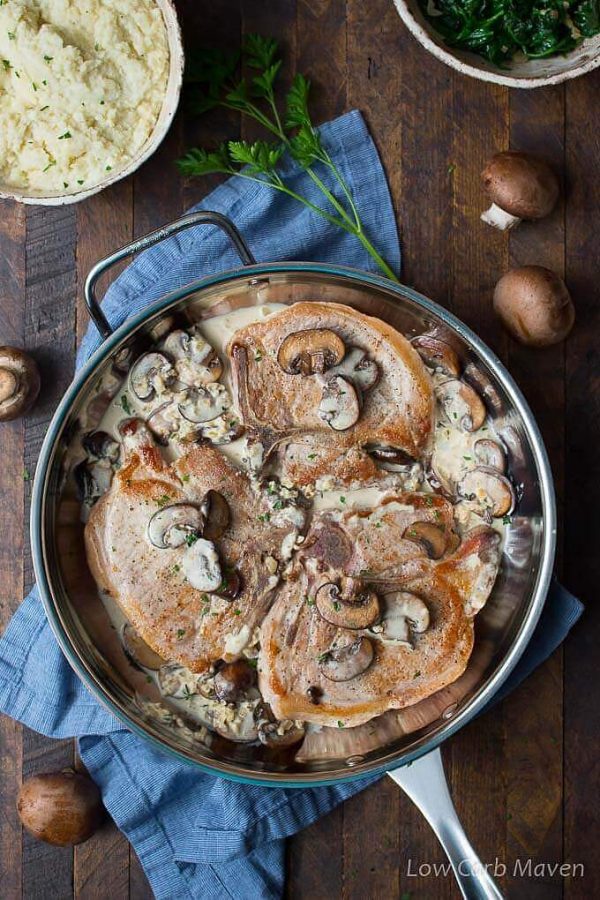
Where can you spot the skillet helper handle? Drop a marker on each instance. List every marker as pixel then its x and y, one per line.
pixel 149 240
pixel 425 783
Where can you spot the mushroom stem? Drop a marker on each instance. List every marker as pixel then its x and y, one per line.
pixel 499 218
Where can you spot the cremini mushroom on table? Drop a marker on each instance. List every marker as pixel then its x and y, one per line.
pixel 19 383
pixel 520 186
pixel 534 305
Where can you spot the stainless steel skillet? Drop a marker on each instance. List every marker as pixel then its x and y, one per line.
pixel 396 739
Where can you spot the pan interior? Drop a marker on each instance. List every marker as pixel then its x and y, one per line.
pixel 92 645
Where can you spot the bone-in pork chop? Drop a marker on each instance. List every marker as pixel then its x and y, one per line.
pixel 183 623
pixel 368 621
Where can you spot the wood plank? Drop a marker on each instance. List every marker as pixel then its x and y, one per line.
pixel 12 304
pixel 49 330
pixel 582 475
pixel 315 863
pixel 533 716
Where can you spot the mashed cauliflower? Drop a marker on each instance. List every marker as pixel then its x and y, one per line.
pixel 81 86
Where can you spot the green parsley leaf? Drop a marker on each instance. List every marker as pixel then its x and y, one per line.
pixel 125 404
pixel 26 475
pixel 65 136
pixel 180 632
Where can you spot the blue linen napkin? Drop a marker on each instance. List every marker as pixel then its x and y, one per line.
pixel 197 835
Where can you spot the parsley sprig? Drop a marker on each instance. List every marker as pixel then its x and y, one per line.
pixel 215 74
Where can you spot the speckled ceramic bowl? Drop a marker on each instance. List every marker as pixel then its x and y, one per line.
pixel 520 74
pixel 163 123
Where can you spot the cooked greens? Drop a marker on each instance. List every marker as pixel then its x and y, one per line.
pixel 499 29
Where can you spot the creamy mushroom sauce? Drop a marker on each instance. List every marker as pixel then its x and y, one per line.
pixel 191 698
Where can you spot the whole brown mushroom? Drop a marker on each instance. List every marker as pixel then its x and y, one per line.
pixel 19 383
pixel 520 186
pixel 534 305
pixel 62 808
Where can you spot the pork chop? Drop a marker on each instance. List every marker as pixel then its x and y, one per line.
pixel 280 395
pixel 315 669
pixel 179 622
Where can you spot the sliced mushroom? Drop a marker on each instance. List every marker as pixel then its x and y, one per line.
pixel 462 406
pixel 492 493
pixel 230 586
pixel 437 354
pixel 346 608
pixel 439 483
pixel 340 404
pixel 280 734
pixel 358 368
pixel 202 405
pixel 310 352
pixel 393 455
pixel 93 479
pixel 150 374
pixel 164 421
pixel 490 454
pixel 216 515
pixel 431 538
pixel 137 650
pixel 233 680
pixel 19 383
pixel 201 566
pixel 345 663
pixel 174 525
pixel 193 349
pixel 404 612
pixel 101 445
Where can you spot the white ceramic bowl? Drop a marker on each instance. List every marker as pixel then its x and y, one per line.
pixel 169 106
pixel 525 74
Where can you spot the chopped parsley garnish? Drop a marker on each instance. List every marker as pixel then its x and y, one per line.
pixel 191 538
pixel 26 475
pixel 42 108
pixel 264 517
pixel 34 85
pixel 185 477
pixel 125 404
pixel 80 181
pixel 180 632
pixel 310 601
pixel 65 184
pixel 258 356
pixel 467 457
pixel 237 612
pixel 337 605
pixel 50 164
pixel 507 520
pixel 417 673
pixel 252 662
pixel 6 65
pixel 312 456
pixel 342 499
pixel 323 656
pixel 429 501
pixel 48 58
pixel 176 568
pixel 65 136
pixel 149 679
pixel 279 504
pixel 340 724
pixel 108 168
pixel 11 35
pixel 187 694
pixel 162 501
pixel 378 525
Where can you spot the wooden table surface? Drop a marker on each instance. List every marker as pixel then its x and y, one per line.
pixel 524 776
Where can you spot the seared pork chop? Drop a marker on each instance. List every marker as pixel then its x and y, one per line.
pixel 317 666
pixel 180 622
pixel 328 370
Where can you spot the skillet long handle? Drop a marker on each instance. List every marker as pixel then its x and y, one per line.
pixel 425 783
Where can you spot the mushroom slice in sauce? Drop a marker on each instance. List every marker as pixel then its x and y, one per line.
pixel 280 734
pixel 137 650
pixel 340 405
pixel 149 374
pixel 163 422
pixel 431 538
pixel 230 586
pixel 310 352
pixel 216 515
pixel 404 611
pixel 346 663
pixel 233 680
pixel 358 368
pixel 93 479
pixel 491 492
pixel 202 405
pixel 201 566
pixel 386 454
pixel 346 609
pixel 197 355
pixel 461 405
pixel 101 445
pixel 490 454
pixel 437 354
pixel 172 525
